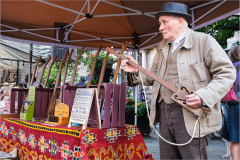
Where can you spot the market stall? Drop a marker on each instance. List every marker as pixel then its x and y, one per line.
pixel 44 141
pixel 64 24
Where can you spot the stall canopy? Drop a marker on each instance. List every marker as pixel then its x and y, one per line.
pixel 11 52
pixel 92 23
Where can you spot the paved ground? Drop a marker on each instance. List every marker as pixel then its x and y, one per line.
pixel 216 149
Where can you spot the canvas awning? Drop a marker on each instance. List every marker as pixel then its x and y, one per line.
pixel 92 23
pixel 11 52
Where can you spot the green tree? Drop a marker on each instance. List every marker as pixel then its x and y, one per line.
pixel 223 29
pixel 54 71
pixel 84 62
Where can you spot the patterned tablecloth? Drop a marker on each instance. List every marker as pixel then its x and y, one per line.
pixel 41 141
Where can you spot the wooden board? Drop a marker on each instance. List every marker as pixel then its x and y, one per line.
pixel 11 115
pixel 197 111
pixel 62 110
pixel 52 102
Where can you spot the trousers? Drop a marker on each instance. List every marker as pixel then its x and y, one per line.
pixel 172 128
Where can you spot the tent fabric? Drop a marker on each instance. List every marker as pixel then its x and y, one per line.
pixel 112 22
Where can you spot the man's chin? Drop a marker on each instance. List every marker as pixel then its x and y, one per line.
pixel 166 39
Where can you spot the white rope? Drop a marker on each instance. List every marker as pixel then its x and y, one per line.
pixel 176 144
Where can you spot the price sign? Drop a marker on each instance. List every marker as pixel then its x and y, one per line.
pixel 82 105
pixel 61 110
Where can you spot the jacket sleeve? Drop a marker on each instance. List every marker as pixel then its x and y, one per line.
pixel 134 80
pixel 222 71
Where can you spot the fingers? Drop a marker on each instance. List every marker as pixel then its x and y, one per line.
pixel 126 67
pixel 191 95
pixel 207 111
pixel 194 104
pixel 194 100
pixel 124 62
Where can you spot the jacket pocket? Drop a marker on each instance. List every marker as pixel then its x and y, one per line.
pixel 198 75
pixel 213 119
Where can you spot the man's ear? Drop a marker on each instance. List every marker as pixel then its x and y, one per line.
pixel 180 22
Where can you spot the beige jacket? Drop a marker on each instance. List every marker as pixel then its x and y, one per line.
pixel 203 67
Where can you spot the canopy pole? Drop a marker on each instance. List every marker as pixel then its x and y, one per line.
pixel 208 12
pixel 88 6
pixel 136 92
pixel 17 69
pixel 30 65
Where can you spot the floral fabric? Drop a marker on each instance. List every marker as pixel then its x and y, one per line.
pixel 46 141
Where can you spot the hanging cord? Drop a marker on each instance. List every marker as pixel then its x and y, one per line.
pixel 175 144
pixel 199 141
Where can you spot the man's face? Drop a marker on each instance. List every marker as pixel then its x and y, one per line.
pixel 26 106
pixel 169 26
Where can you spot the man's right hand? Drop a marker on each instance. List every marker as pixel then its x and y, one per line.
pixel 127 67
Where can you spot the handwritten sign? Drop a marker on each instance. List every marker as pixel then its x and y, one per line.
pixel 31 94
pixel 62 110
pixel 81 105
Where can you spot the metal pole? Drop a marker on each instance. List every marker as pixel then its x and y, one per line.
pixel 133 88
pixel 17 70
pixel 30 65
pixel 136 93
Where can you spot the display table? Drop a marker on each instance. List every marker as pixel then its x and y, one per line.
pixel 36 140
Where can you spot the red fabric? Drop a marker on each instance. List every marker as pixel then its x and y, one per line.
pixel 41 141
pixel 230 97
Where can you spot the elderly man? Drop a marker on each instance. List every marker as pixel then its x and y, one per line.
pixel 196 61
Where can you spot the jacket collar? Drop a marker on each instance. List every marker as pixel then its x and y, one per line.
pixel 187 43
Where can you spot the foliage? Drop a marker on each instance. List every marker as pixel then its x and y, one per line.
pixel 128 91
pixel 84 58
pixel 51 82
pixel 87 59
pixel 94 82
pixel 130 101
pixel 223 29
pixel 130 107
pixel 52 77
pixel 54 73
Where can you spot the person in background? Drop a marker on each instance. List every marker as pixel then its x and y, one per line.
pixel 141 96
pixel 81 82
pixel 35 83
pixel 68 82
pixel 87 77
pixel 149 101
pixel 230 128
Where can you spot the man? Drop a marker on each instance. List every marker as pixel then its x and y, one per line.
pixel 81 82
pixel 196 61
pixel 68 82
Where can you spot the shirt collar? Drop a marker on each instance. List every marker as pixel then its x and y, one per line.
pixel 180 38
pixel 188 40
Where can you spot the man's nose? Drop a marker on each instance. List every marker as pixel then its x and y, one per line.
pixel 161 27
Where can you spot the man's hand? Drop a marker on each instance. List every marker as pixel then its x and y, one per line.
pixel 128 68
pixel 194 100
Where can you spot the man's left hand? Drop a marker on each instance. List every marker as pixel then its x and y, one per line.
pixel 194 100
